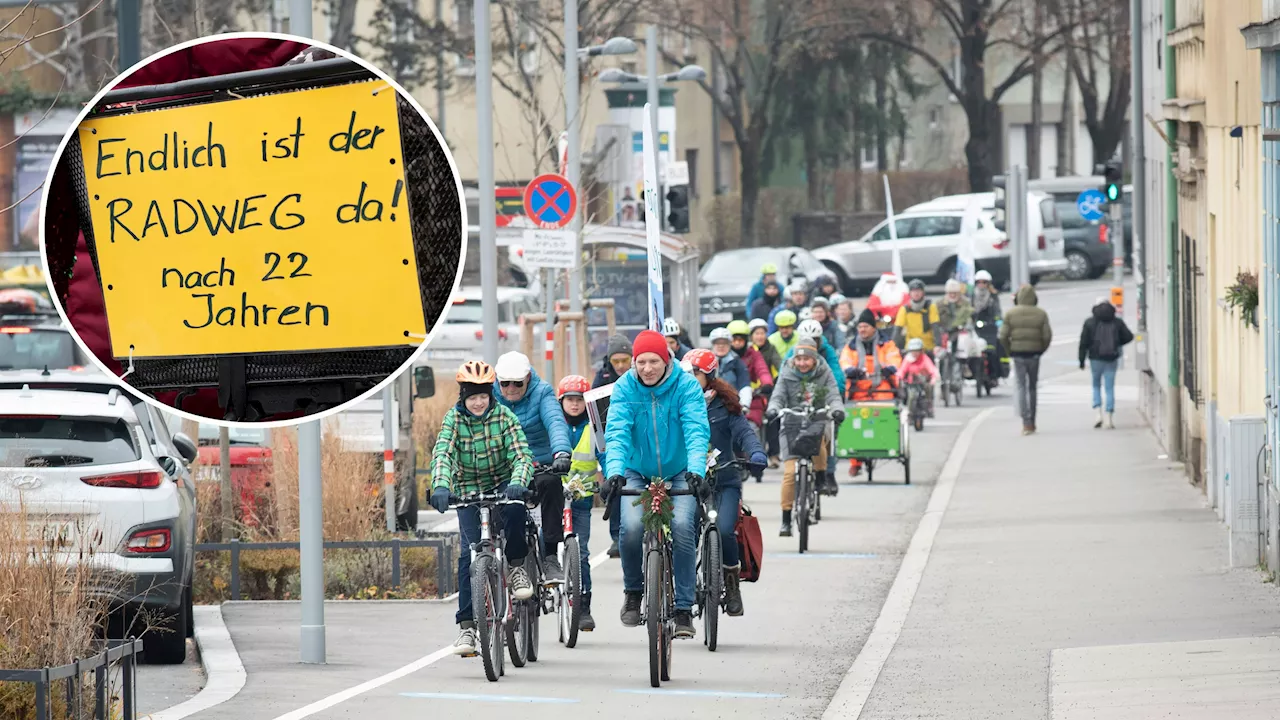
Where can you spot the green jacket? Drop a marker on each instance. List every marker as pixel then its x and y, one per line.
pixel 956 314
pixel 480 454
pixel 1026 328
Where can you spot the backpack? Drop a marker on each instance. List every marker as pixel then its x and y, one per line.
pixel 1106 341
pixel 750 545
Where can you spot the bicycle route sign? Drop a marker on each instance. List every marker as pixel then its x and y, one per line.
pixel 1090 203
pixel 550 201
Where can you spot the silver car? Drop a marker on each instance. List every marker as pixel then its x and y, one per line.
pixel 460 335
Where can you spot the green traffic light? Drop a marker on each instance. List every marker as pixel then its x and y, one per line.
pixel 1113 192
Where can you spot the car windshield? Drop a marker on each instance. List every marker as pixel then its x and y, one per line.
pixel 25 348
pixel 737 266
pixel 237 436
pixel 465 312
pixel 29 442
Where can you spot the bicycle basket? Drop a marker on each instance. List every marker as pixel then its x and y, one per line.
pixel 804 436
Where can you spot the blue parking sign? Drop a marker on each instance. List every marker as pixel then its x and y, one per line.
pixel 1090 204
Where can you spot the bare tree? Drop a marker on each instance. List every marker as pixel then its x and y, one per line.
pixel 1097 52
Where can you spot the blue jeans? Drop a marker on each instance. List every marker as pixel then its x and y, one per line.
pixel 727 521
pixel 1104 373
pixel 506 519
pixel 683 539
pixel 582 528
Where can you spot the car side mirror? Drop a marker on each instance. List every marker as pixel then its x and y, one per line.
pixel 186 447
pixel 424 382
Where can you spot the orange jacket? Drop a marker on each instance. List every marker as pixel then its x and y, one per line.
pixel 873 386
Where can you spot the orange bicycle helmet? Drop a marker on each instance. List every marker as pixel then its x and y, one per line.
pixel 572 385
pixel 476 372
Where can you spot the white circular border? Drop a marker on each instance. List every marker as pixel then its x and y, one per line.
pixel 453 165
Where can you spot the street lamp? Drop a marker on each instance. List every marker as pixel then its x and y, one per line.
pixel 612 46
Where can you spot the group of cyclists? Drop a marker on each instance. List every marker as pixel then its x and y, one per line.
pixel 672 405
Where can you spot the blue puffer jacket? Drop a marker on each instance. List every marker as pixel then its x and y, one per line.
pixel 657 431
pixel 541 418
pixel 730 434
pixel 833 362
pixel 734 371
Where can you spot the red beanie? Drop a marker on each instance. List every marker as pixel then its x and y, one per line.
pixel 650 341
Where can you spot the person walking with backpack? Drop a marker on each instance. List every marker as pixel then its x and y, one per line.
pixel 1026 334
pixel 1102 340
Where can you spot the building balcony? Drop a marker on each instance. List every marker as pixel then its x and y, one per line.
pixel 1185 110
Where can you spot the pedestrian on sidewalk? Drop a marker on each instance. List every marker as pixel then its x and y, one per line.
pixel 1102 340
pixel 1026 334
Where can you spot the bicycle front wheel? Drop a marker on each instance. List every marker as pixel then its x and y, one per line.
pixel 571 597
pixel 487 614
pixel 802 504
pixel 712 587
pixel 655 611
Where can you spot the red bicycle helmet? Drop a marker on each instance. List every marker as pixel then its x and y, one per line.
pixel 572 385
pixel 701 360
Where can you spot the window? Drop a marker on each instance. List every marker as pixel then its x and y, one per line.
pixel 935 117
pixel 1049 213
pixel 903 226
pixel 402 30
pixel 869 157
pixel 934 226
pixel 464 13
pixel 32 349
pixel 1069 214
pixel 957 65
pixel 691 157
pixel 728 168
pixel 64 442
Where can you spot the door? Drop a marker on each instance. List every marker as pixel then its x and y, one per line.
pixel 934 239
pixel 874 255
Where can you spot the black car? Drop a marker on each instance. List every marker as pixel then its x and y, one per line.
pixel 1087 245
pixel 727 277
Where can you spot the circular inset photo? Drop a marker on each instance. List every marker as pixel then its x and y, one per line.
pixel 253 227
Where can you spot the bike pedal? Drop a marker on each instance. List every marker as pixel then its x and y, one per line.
pixel 469 655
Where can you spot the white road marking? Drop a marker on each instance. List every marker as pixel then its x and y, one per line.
pixel 222 667
pixel 851 697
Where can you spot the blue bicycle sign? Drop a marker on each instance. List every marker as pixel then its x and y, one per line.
pixel 1090 205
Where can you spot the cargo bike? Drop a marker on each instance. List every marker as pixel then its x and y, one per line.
pixel 875 432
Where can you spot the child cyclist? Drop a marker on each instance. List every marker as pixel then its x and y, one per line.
pixel 481 449
pixel 917 364
pixel 584 464
pixel 731 434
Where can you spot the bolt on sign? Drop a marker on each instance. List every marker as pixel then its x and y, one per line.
pixel 267 224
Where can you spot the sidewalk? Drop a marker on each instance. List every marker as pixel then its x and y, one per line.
pixel 1057 547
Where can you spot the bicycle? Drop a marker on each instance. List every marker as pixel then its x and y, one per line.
pixel 658 608
pixel 523 643
pixel 952 361
pixel 709 593
pixel 917 397
pixel 803 446
pixel 493 606
pixel 569 595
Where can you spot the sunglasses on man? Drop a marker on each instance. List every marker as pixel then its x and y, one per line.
pixel 511 383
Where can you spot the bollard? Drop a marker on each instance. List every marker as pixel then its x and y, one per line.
pixel 235 569
pixel 395 563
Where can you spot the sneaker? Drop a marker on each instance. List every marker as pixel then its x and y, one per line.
pixel 465 645
pixel 684 625
pixel 1027 430
pixel 631 609
pixel 1098 423
pixel 518 581
pixel 732 592
pixel 613 550
pixel 1111 421
pixel 774 463
pixel 552 573
pixel 586 623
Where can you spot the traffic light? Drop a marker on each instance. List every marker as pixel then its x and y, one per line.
pixel 1113 175
pixel 678 207
pixel 999 185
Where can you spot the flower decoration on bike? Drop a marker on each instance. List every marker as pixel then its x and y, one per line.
pixel 656 503
pixel 581 485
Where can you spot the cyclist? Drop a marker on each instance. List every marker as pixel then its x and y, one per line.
pixel 917 319
pixel 987 318
pixel 584 462
pixel 954 311
pixel 761 342
pixel 918 363
pixel 785 337
pixel 534 403
pixel 797 300
pixel 768 274
pixel 870 363
pixel 481 448
pixel 805 380
pixel 820 310
pixel 731 435
pixel 824 286
pixel 842 314
pixel 733 370
pixel 658 426
pixel 887 296
pixel 758 371
pixel 767 301
pixel 810 333
pixel 676 343
pixel 617 360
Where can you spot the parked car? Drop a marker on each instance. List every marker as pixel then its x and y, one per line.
pixel 929 237
pixel 727 277
pixel 35 342
pixel 103 465
pixel 250 460
pixel 460 336
pixel 1088 249
pixel 1045 242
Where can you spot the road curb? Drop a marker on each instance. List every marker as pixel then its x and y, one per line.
pixel 223 671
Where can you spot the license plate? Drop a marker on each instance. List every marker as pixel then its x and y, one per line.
pixel 717 317
pixel 446 354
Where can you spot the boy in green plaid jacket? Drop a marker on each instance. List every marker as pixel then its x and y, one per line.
pixel 480 449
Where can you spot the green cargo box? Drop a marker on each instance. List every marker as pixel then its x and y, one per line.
pixel 871 430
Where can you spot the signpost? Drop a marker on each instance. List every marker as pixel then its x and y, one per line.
pixel 653 206
pixel 267 224
pixel 1089 204
pixel 551 202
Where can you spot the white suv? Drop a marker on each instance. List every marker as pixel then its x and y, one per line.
pixel 77 451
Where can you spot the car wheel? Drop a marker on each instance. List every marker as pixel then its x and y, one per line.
pixel 1079 267
pixel 166 644
pixel 946 271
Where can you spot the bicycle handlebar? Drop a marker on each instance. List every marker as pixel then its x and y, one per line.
pixel 474 499
pixel 632 492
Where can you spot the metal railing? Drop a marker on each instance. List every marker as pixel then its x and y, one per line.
pixel 443 547
pixel 116 652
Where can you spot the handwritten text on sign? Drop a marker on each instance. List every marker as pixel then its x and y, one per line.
pixel 267 224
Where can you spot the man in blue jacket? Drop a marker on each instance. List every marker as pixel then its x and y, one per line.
pixel 535 405
pixel 768 274
pixel 657 429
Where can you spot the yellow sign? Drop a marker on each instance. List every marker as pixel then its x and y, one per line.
pixel 267 224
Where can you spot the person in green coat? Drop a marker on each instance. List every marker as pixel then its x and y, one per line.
pixel 785 337
pixel 1026 334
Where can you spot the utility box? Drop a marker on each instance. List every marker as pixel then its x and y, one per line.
pixel 1246 435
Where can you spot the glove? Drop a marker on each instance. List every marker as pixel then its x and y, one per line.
pixel 888 371
pixel 613 485
pixel 1081 366
pixel 515 492
pixel 560 464
pixel 700 486
pixel 837 416
pixel 771 414
pixel 855 373
pixel 440 499
pixel 756 464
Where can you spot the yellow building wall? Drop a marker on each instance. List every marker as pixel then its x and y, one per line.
pixel 1236 352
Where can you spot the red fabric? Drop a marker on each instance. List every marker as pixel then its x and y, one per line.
pixel 83 302
pixel 758 370
pixel 650 341
pixel 750 545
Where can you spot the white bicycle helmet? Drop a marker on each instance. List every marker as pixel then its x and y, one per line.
pixel 915 345
pixel 953 285
pixel 513 366
pixel 670 328
pixel 796 286
pixel 804 314
pixel 758 323
pixel 809 328
pixel 721 334
pixel 837 299
pixel 982 275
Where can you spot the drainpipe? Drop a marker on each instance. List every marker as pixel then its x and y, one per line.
pixel 1173 403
